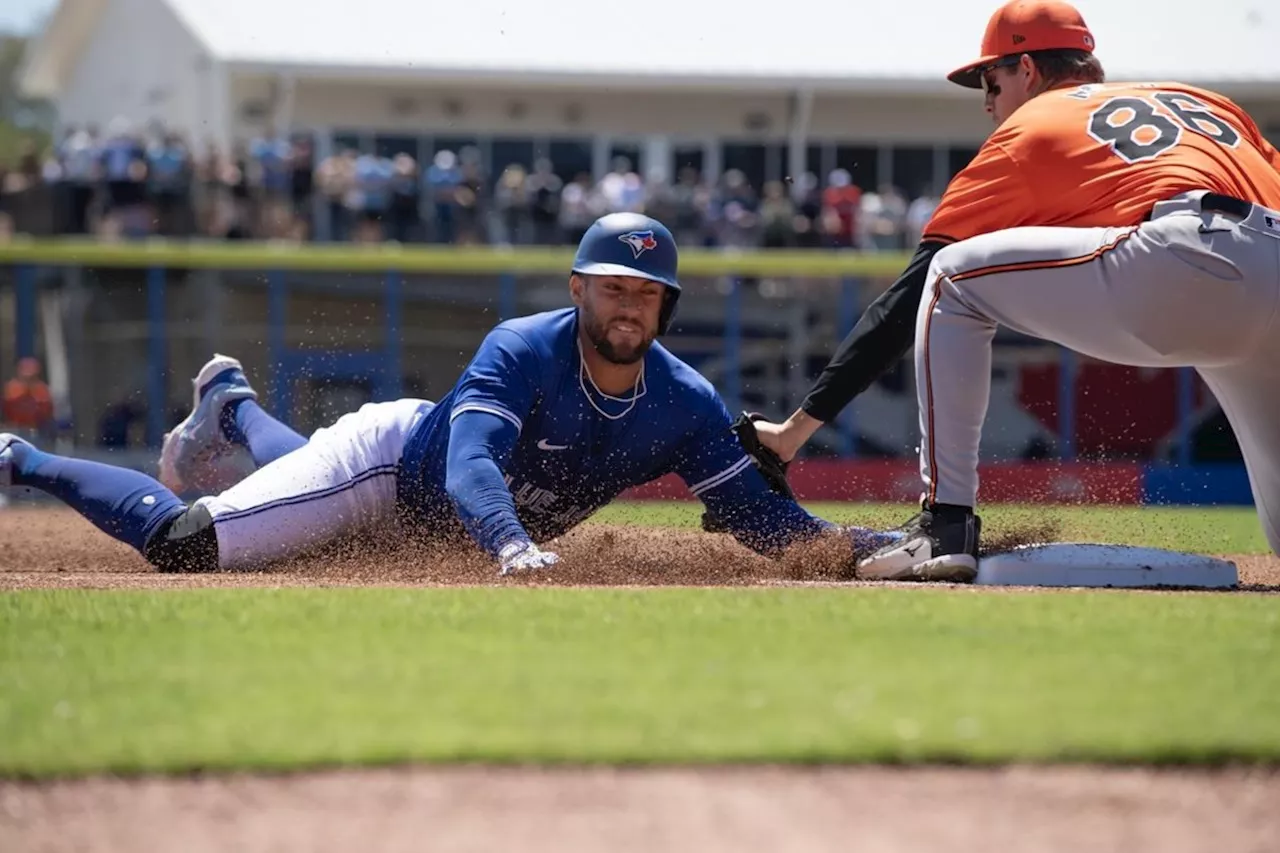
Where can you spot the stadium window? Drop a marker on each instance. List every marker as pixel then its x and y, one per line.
pixel 511 150
pixel 861 162
pixel 749 158
pixel 912 169
pixel 775 162
pixel 815 161
pixel 688 157
pixel 346 140
pixel 389 145
pixel 570 157
pixel 958 157
pixel 452 143
pixel 630 150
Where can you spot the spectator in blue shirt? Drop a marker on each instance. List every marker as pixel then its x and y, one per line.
pixel 272 156
pixel 79 155
pixel 443 179
pixel 373 185
pixel 124 166
pixel 169 178
pixel 272 172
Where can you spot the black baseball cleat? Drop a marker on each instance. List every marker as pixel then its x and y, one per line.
pixel 935 547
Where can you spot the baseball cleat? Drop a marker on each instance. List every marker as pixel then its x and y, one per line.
pixel 7 441
pixel 196 454
pixel 932 548
pixel 865 540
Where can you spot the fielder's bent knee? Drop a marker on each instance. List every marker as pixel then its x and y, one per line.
pixel 948 261
pixel 186 544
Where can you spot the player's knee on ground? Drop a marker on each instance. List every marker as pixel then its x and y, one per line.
pixel 186 544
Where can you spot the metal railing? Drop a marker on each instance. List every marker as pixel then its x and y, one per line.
pixel 724 297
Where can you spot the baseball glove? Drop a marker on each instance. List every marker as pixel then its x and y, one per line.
pixel 769 463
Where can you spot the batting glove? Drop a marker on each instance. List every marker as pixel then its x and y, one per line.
pixel 525 557
pixel 865 539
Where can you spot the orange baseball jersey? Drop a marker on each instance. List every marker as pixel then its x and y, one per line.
pixel 1103 155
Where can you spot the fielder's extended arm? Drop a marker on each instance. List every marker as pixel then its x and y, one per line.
pixel 882 336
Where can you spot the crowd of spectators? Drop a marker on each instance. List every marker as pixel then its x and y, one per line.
pixel 122 183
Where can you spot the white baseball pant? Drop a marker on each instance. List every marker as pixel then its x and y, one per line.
pixel 1189 288
pixel 343 480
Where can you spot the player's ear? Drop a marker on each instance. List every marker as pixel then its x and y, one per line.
pixel 1028 71
pixel 577 288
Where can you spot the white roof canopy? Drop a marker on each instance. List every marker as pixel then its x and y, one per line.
pixel 824 45
pixel 823 42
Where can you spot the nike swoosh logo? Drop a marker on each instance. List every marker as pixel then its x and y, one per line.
pixel 542 445
pixel 912 551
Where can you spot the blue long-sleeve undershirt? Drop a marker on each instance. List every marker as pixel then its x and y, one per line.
pixel 479 446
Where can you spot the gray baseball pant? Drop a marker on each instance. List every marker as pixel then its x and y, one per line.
pixel 1191 287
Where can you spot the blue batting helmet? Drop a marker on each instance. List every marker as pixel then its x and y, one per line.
pixel 635 245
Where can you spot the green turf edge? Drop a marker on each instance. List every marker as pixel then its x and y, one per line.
pixel 1206 530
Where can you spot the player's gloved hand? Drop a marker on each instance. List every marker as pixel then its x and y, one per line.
pixel 866 541
pixel 775 438
pixel 774 470
pixel 525 557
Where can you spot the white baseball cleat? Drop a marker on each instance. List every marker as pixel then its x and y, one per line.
pixel 196 454
pixel 932 549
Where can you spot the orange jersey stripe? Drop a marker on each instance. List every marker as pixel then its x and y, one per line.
pixel 1049 264
pixel 928 392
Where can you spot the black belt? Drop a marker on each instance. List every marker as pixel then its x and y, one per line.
pixel 1218 203
pixel 1225 204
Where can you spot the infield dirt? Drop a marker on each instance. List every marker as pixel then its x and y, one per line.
pixel 707 809
pixel 55 548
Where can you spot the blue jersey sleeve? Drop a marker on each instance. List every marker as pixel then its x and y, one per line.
pixel 480 445
pixel 496 392
pixel 501 380
pixel 720 474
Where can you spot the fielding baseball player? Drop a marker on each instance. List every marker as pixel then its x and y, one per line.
pixel 556 415
pixel 1133 222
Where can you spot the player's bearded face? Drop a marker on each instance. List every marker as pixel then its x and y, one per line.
pixel 619 315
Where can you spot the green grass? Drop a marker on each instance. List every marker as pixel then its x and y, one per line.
pixel 1216 530
pixel 290 678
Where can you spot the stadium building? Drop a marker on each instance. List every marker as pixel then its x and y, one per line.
pixel 808 87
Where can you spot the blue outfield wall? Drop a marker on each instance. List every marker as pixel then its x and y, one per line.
pixel 1224 483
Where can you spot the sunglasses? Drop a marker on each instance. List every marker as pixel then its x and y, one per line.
pixel 990 87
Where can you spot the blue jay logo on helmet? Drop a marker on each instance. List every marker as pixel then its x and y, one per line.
pixel 651 253
pixel 639 241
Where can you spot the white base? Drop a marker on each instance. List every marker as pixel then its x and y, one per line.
pixel 1093 565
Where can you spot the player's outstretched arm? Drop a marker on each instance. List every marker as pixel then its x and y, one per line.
pixel 480 443
pixel 887 328
pixel 495 394
pixel 739 500
pixel 881 337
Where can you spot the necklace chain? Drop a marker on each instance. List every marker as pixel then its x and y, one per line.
pixel 637 391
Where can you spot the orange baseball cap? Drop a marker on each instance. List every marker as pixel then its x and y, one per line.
pixel 1023 26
